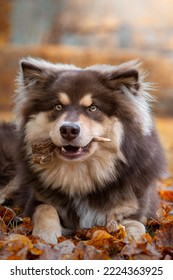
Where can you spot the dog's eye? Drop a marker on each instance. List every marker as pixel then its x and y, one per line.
pixel 93 108
pixel 58 107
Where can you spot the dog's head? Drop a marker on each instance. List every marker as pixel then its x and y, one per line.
pixel 74 106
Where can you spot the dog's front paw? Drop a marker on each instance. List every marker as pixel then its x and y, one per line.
pixel 49 237
pixel 134 229
pixel 112 225
pixel 46 223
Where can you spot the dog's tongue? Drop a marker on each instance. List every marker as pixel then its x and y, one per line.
pixel 71 150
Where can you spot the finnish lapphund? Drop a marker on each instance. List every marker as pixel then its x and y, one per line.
pixel 86 182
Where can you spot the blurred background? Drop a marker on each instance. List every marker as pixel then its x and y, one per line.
pixel 85 32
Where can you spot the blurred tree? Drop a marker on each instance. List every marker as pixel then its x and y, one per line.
pixel 5 10
pixel 31 20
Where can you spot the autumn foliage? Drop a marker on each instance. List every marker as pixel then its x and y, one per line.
pixel 17 242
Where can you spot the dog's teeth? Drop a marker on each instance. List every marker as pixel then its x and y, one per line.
pixel 101 139
pixel 63 150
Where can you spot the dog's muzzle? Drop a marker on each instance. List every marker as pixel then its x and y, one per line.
pixel 69 132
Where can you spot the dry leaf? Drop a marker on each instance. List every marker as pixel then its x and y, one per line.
pixel 17 242
pixel 6 214
pixel 166 195
pixel 164 238
pixel 3 227
pixel 86 252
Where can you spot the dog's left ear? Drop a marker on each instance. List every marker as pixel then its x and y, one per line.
pixel 124 78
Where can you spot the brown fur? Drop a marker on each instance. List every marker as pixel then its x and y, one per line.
pixel 8 162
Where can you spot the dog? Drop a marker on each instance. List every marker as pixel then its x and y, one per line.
pixel 87 182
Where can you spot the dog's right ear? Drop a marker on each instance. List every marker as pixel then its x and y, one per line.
pixel 34 71
pixel 31 73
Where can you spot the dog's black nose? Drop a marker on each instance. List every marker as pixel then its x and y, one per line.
pixel 69 131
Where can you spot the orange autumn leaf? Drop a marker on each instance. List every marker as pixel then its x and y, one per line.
pixel 167 208
pixel 106 242
pixel 36 251
pixel 166 195
pixel 15 247
pixel 100 239
pixel 98 242
pixel 24 241
pixel 147 237
pixel 120 233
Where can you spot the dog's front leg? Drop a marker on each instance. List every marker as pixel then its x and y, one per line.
pixel 46 223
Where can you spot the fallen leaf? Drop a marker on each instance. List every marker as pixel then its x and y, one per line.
pixel 86 234
pixel 142 250
pixel 166 195
pixel 147 237
pixel 102 240
pixel 87 252
pixel 3 227
pixel 6 214
pixel 164 238
pixel 25 227
pixel 15 247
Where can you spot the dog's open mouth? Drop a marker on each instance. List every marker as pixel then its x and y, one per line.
pixel 73 152
pixel 43 150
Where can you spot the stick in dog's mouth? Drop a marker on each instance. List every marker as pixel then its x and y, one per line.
pixel 101 139
pixel 42 149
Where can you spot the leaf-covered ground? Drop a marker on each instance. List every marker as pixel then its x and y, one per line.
pixel 17 242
